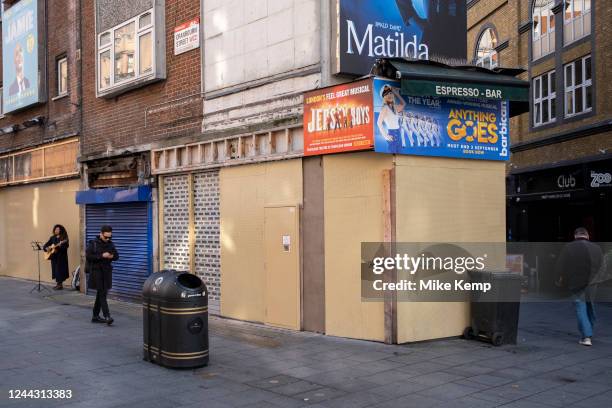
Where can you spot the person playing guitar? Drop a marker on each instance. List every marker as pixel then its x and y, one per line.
pixel 56 250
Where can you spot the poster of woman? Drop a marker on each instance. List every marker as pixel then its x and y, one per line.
pixel 438 126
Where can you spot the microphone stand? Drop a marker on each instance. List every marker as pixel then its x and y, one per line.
pixel 37 246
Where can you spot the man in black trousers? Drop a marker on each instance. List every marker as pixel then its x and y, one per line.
pixel 579 263
pixel 100 253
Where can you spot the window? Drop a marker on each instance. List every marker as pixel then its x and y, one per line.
pixel 576 20
pixel 126 52
pixel 62 76
pixel 543 32
pixel 578 89
pixel 486 56
pixel 544 99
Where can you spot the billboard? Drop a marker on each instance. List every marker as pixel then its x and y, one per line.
pixel 439 126
pixel 423 29
pixel 338 118
pixel 20 55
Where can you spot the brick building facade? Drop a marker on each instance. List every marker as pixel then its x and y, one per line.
pixel 39 138
pixel 60 114
pixel 165 107
pixel 141 90
pixel 566 49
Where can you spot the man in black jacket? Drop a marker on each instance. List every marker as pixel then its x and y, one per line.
pixel 578 263
pixel 100 253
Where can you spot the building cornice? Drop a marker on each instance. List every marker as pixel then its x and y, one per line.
pixel 583 131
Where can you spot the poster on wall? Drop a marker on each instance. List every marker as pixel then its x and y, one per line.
pixel 419 29
pixel 439 126
pixel 338 118
pixel 20 55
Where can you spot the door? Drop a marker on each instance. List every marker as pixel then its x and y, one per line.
pixel 132 234
pixel 282 267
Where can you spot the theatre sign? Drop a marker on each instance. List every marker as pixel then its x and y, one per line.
pixel 440 116
pixel 372 29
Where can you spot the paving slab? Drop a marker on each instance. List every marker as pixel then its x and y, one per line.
pixel 48 342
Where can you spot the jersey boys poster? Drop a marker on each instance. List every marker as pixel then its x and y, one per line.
pixel 436 126
pixel 338 119
pixel 423 29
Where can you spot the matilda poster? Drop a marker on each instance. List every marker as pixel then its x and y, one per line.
pixel 439 126
pixel 423 29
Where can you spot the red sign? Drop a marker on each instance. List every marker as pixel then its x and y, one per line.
pixel 339 119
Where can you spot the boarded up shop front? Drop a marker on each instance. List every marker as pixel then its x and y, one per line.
pixel 437 174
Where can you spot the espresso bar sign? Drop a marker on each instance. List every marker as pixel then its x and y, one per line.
pixel 423 29
pixel 463 90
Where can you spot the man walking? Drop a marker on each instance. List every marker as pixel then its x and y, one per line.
pixel 579 262
pixel 100 253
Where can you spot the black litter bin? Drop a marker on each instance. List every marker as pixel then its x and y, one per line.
pixel 175 320
pixel 494 315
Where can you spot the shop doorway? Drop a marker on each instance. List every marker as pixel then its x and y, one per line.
pixel 282 267
pixel 555 221
pixel 132 235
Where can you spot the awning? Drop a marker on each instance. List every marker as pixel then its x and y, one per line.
pixel 114 195
pixel 429 78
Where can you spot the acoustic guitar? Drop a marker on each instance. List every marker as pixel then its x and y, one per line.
pixel 52 249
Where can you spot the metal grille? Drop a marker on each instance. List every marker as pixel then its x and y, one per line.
pixel 176 223
pixel 207 248
pixel 131 224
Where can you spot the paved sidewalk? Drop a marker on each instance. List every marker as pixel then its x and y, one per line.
pixel 49 343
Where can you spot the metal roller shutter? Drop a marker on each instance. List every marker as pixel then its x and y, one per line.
pixel 132 235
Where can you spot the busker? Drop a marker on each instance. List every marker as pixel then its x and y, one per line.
pixel 101 252
pixel 580 261
pixel 57 246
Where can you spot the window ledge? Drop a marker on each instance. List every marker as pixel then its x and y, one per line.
pixel 576 41
pixel 543 126
pixel 579 114
pixel 128 86
pixel 542 58
pixel 58 97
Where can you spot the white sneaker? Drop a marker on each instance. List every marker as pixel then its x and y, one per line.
pixel 586 341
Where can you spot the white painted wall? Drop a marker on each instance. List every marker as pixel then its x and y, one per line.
pixel 247 40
